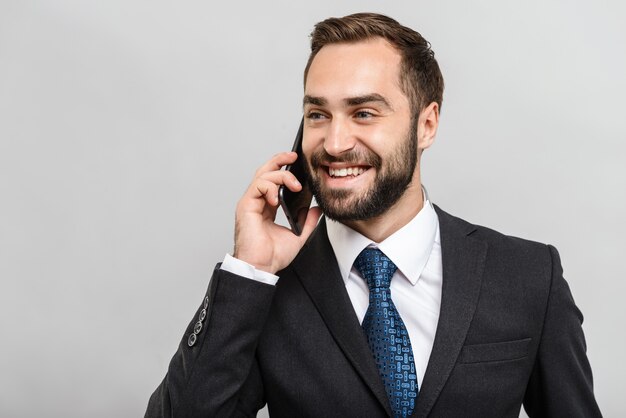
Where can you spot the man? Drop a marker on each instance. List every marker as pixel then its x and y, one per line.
pixel 389 306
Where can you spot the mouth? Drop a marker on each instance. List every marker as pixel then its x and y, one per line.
pixel 349 171
pixel 342 175
pixel 346 170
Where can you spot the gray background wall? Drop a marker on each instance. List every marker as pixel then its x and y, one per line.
pixel 129 129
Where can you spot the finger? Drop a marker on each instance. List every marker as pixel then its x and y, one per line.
pixel 312 217
pixel 265 189
pixel 277 162
pixel 283 177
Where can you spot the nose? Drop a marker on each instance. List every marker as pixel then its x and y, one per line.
pixel 339 137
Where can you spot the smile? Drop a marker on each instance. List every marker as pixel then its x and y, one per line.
pixel 346 171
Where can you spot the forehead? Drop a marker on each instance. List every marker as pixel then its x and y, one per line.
pixel 353 69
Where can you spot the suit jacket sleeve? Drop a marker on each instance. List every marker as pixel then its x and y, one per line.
pixel 561 382
pixel 218 376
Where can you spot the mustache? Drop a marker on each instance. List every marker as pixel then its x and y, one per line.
pixel 360 157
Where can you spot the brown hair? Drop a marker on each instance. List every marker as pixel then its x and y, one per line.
pixel 420 76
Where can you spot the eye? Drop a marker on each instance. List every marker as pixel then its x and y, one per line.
pixel 363 114
pixel 313 115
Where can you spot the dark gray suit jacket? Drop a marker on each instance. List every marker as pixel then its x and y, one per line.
pixel 508 332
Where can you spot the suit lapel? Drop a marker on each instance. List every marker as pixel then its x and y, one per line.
pixel 463 259
pixel 317 269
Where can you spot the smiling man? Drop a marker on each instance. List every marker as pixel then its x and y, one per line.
pixel 388 306
pixel 359 118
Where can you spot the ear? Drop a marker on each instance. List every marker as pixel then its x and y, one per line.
pixel 427 125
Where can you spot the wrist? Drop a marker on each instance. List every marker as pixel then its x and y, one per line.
pixel 266 268
pixel 241 268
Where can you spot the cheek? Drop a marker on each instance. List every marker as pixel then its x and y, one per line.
pixel 307 151
pixel 306 145
pixel 309 144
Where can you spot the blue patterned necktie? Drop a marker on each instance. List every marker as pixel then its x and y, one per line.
pixel 386 334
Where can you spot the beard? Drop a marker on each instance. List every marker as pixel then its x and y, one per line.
pixel 393 177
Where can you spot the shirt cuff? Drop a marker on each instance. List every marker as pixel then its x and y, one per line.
pixel 243 269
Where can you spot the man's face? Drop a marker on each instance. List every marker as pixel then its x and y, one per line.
pixel 360 140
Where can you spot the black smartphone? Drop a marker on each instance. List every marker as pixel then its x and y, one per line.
pixel 296 205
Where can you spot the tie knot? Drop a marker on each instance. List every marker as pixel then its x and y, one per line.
pixel 375 267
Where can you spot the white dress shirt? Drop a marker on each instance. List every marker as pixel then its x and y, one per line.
pixel 415 287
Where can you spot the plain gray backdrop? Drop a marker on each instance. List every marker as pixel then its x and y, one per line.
pixel 129 129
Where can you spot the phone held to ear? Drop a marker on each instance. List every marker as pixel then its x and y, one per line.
pixel 296 204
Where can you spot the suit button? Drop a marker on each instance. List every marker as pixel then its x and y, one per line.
pixel 202 315
pixel 206 302
pixel 197 328
pixel 192 340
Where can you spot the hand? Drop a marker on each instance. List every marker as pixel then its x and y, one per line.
pixel 258 240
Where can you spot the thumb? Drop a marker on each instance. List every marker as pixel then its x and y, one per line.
pixel 312 217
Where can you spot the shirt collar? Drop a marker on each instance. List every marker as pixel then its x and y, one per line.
pixel 409 247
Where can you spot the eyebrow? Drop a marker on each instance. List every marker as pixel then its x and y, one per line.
pixel 315 101
pixel 368 98
pixel 350 101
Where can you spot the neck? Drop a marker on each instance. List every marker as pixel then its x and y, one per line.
pixel 406 208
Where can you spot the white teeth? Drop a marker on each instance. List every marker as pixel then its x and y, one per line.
pixel 343 172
